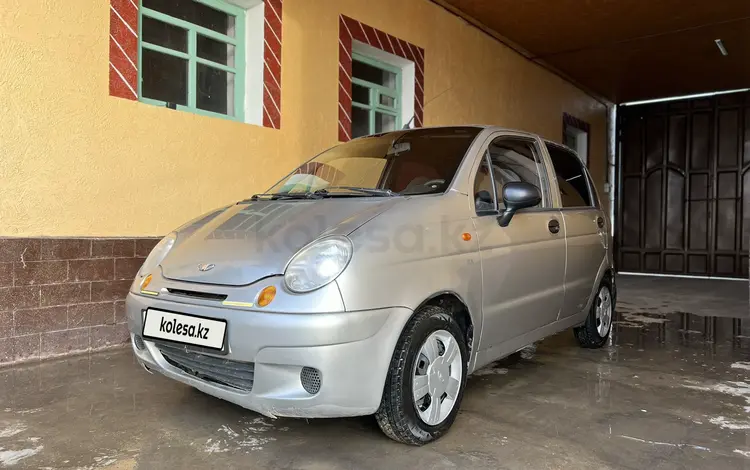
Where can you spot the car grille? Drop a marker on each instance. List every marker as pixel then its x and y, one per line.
pixel 233 374
pixel 197 295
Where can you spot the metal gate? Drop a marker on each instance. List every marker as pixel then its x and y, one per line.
pixel 683 197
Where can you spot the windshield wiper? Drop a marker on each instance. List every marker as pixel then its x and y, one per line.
pixel 277 196
pixel 318 194
pixel 368 191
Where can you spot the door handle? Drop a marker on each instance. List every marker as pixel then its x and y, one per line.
pixel 600 222
pixel 553 226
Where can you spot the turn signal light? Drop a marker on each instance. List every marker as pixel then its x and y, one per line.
pixel 144 285
pixel 266 296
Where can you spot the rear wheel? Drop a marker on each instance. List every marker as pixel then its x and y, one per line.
pixel 426 379
pixel 594 333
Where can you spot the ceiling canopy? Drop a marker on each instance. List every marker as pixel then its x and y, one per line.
pixel 625 50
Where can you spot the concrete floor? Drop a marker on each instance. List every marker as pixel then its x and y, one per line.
pixel 672 390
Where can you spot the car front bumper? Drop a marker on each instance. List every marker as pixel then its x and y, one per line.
pixel 350 350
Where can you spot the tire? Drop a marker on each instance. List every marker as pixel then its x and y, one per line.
pixel 589 335
pixel 398 415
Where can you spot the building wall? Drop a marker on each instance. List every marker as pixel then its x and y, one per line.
pixel 76 162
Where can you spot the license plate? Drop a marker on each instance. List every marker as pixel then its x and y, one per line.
pixel 186 329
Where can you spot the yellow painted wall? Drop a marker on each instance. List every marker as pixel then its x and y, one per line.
pixel 77 162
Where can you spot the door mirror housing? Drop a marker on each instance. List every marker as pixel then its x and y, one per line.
pixel 516 196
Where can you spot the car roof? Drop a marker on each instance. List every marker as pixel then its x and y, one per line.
pixel 464 126
pixel 501 129
pixel 498 128
pixel 484 127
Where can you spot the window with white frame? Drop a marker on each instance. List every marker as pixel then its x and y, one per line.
pixel 202 56
pixel 578 140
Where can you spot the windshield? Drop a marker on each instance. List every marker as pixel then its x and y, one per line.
pixel 421 161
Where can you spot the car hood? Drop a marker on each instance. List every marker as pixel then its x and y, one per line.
pixel 247 242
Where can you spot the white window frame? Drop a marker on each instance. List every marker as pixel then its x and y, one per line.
pixel 581 142
pixel 254 58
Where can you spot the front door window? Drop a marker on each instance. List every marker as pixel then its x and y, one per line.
pixel 512 160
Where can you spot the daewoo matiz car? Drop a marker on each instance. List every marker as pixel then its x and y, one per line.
pixel 377 276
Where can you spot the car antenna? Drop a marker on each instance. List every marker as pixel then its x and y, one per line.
pixel 408 124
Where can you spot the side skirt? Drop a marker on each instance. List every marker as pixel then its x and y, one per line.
pixel 507 348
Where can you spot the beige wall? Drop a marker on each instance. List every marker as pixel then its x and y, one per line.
pixel 77 162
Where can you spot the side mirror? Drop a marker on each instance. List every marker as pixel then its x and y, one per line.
pixel 517 196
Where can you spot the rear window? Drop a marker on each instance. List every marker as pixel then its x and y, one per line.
pixel 571 178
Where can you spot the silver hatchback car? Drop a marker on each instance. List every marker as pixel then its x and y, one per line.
pixel 377 276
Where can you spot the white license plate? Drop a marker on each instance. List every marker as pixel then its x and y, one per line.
pixel 186 329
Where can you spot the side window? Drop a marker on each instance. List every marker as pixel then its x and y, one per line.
pixel 571 178
pixel 512 160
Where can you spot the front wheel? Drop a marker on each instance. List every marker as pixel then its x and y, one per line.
pixel 594 333
pixel 426 379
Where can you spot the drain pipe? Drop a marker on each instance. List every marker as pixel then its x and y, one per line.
pixel 611 162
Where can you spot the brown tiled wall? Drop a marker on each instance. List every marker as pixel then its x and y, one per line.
pixel 65 295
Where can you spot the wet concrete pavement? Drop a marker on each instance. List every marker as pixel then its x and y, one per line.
pixel 671 390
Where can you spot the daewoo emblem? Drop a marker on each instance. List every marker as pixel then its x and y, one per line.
pixel 206 267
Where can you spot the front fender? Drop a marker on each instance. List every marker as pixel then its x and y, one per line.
pixel 413 252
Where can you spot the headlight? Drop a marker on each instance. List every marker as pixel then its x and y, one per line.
pixel 158 254
pixel 318 264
